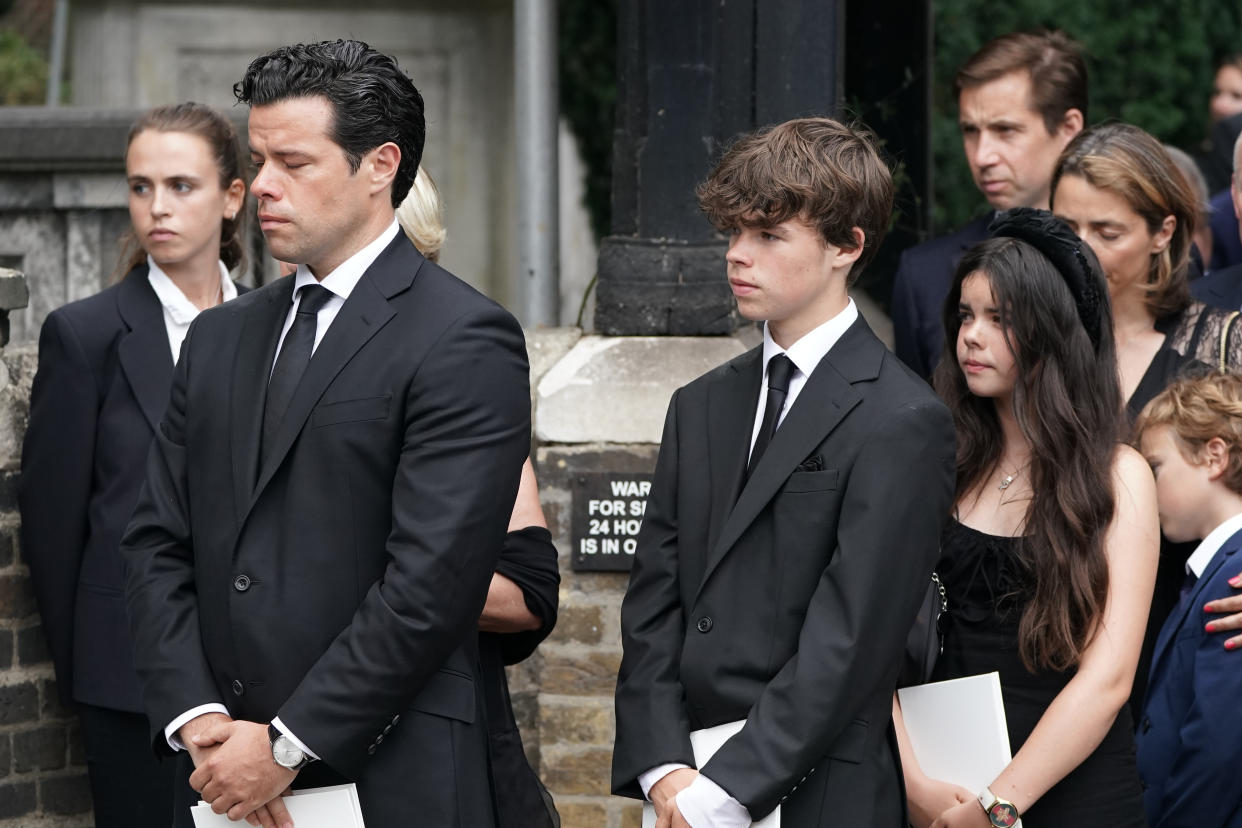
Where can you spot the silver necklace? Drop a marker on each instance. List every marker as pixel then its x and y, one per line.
pixel 1009 478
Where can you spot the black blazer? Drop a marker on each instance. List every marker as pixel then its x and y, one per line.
pixel 920 287
pixel 105 369
pixel 338 584
pixel 1220 288
pixel 786 600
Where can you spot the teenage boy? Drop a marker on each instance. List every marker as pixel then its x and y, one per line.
pixel 794 518
pixel 1190 736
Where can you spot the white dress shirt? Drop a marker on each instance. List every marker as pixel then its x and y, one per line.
pixel 179 311
pixel 341 283
pixel 704 804
pixel 1209 546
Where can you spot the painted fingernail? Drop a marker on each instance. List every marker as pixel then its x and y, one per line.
pixel 1231 645
pixel 1236 580
pixel 1210 628
pixel 1207 607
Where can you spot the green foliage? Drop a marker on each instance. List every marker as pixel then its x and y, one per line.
pixel 23 71
pixel 1150 63
pixel 588 81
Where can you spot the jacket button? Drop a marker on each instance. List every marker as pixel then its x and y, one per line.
pixel 379 740
pixel 704 624
pixel 238 689
pixel 396 718
pixel 241 583
pixel 370 750
pixel 1146 724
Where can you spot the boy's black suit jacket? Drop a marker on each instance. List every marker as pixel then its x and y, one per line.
pixel 785 600
pixel 338 583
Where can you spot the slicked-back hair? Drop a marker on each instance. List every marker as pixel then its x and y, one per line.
pixel 1067 402
pixel 372 100
pixel 824 172
pixel 1051 59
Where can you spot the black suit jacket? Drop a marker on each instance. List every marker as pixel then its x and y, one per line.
pixel 105 369
pixel 924 275
pixel 786 600
pixel 1220 288
pixel 338 585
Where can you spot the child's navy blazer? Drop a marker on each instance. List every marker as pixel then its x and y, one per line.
pixel 1190 736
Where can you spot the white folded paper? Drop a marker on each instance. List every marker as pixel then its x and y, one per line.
pixel 958 730
pixel 705 743
pixel 336 806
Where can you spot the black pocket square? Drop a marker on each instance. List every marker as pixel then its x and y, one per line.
pixel 811 464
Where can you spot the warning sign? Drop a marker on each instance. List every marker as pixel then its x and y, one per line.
pixel 608 510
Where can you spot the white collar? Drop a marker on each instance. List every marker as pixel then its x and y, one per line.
pixel 814 345
pixel 342 280
pixel 1210 545
pixel 180 309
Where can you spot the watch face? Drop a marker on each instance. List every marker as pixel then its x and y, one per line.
pixel 1003 815
pixel 289 755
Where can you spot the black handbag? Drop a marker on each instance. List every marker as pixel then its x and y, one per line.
pixel 925 642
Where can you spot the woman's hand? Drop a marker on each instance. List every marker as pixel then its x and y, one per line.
pixel 963 815
pixel 1232 604
pixel 929 798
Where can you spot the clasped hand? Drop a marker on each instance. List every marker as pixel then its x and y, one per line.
pixel 234 771
pixel 664 797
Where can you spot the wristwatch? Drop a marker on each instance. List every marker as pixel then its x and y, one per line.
pixel 285 751
pixel 1001 812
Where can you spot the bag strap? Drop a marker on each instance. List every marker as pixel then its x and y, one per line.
pixel 1224 341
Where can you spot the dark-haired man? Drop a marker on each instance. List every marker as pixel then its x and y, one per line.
pixel 1021 98
pixel 331 483
pixel 785 550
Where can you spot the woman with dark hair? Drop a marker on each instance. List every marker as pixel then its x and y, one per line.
pixel 1122 194
pixel 104 376
pixel 1049 560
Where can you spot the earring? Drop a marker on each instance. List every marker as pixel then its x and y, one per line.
pixel 230 216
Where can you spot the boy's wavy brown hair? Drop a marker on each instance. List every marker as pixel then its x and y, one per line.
pixel 826 173
pixel 1198 409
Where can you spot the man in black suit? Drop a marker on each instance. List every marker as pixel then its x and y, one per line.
pixel 794 518
pixel 330 486
pixel 1021 98
pixel 1223 288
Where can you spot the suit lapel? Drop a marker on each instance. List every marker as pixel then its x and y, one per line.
pixel 734 396
pixel 823 403
pixel 1193 599
pixel 144 353
pixel 256 351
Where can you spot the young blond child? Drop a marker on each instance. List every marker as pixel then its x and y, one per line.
pixel 1190 736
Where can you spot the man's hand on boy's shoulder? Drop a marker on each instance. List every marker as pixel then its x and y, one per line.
pixel 1230 604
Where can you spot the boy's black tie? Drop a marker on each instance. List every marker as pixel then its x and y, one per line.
pixel 291 362
pixel 780 371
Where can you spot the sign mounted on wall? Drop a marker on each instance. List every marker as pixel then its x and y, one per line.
pixel 608 509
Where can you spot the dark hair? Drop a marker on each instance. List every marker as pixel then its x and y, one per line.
pixel 1067 403
pixel 828 173
pixel 221 137
pixel 1055 65
pixel 373 102
pixel 1125 160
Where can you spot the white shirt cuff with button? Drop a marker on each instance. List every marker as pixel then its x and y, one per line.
pixel 647 780
pixel 704 804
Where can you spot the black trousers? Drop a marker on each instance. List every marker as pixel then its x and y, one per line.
pixel 130 786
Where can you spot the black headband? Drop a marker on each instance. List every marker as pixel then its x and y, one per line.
pixel 1058 243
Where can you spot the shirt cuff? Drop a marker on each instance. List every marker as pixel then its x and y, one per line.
pixel 170 732
pixel 704 804
pixel 279 725
pixel 647 780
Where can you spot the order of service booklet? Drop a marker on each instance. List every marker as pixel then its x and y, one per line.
pixel 335 806
pixel 705 743
pixel 958 730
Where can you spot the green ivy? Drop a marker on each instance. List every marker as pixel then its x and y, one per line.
pixel 23 71
pixel 588 81
pixel 1150 63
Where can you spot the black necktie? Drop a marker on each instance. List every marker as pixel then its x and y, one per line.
pixel 780 370
pixel 291 362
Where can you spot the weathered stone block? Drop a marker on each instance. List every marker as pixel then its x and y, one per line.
pixel 51 707
pixel 18 799
pixel 32 645
pixel 580 674
pixel 8 545
pixel 546 346
pixel 6 649
pixel 577 771
pixel 16 597
pixel 14 292
pixel 65 795
pixel 576 722
pixel 616 389
pixel 582 814
pixel 82 190
pixel 6 756
pixel 19 703
pixel 632 815
pixel 579 623
pixel 42 748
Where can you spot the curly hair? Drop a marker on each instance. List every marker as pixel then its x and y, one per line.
pixel 1198 410
pixel 826 173
pixel 373 101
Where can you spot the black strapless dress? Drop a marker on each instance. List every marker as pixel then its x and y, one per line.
pixel 981 577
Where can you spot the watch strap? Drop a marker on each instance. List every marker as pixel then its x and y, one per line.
pixel 274 733
pixel 1001 813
